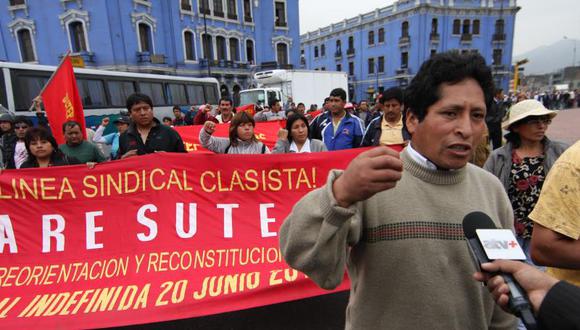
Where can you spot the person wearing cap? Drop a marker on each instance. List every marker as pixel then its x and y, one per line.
pixel 122 124
pixel 523 163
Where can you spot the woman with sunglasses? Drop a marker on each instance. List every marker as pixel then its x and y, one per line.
pixel 523 163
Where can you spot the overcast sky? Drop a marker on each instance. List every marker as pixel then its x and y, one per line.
pixel 538 23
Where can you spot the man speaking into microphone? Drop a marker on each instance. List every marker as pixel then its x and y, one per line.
pixel 396 221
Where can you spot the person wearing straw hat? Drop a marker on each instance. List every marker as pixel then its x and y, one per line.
pixel 523 163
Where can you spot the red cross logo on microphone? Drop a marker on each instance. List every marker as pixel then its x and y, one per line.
pixel 513 244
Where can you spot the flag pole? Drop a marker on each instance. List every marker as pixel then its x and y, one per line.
pixel 50 79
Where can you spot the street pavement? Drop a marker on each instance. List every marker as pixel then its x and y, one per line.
pixel 565 126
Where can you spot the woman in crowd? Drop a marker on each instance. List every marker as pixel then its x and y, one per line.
pixel 43 150
pixel 295 137
pixel 523 163
pixel 241 137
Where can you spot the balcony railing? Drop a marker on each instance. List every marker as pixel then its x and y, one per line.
pixel 466 37
pixel 338 54
pixel 147 57
pixel 232 16
pixel 499 37
pixel 404 40
pixel 350 52
pixel 248 19
pixel 281 24
pixel 218 13
pixel 186 7
pixel 434 37
pixel 206 11
pixel 204 62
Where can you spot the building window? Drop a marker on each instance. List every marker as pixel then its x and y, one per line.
pixel 433 52
pixel 381 65
pixel 404 60
pixel 232 9
pixel 371 38
pixel 499 26
pixel 497 54
pixel 456 26
pixel 186 5
pixel 204 7
pixel 222 49
pixel 371 63
pixel 315 51
pixel 218 8
pixel 475 28
pixel 234 49
pixel 25 45
pixel 77 37
pixel 16 2
pixel 322 50
pixel 351 42
pixel 145 38
pixel 250 51
pixel 405 29
pixel 280 12
pixel 466 24
pixel 207 47
pixel 282 53
pixel 381 35
pixel 323 68
pixel 189 42
pixel 338 46
pixel 434 24
pixel 248 11
pixel 339 67
pixel 351 68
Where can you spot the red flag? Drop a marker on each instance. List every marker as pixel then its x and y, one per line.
pixel 62 101
pixel 249 108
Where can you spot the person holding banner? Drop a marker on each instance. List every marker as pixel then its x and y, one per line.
pixel 242 139
pixel 146 134
pixel 295 137
pixel 43 150
pixel 77 147
pixel 395 220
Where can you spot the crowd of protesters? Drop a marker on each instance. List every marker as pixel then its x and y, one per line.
pixel 449 113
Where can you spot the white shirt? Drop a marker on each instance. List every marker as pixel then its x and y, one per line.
pixel 424 162
pixel 305 147
pixel 20 154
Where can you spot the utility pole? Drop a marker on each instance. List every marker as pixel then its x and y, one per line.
pixel 209 48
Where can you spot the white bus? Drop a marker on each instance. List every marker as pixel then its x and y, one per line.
pixel 104 93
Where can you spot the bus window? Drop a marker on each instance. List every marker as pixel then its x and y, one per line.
pixel 211 94
pixel 177 94
pixel 3 99
pixel 195 93
pixel 119 91
pixel 154 90
pixel 92 92
pixel 25 89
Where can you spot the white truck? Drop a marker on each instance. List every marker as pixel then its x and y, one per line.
pixel 306 86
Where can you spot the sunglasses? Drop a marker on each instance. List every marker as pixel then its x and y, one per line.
pixel 537 121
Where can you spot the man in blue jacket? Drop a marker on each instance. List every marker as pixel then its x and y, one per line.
pixel 337 128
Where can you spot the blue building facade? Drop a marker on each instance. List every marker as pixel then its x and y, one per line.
pixel 227 39
pixel 386 47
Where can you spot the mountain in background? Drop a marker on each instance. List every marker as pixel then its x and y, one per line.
pixel 548 59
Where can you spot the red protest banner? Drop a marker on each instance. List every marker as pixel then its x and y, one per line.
pixel 266 132
pixel 62 101
pixel 151 238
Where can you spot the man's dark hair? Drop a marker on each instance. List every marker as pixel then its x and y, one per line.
pixel 339 92
pixel 226 99
pixel 451 68
pixel 393 93
pixel 497 91
pixel 138 98
pixel 176 107
pixel 326 100
pixel 166 119
pixel 273 103
pixel 300 104
pixel 70 124
pixel 240 118
pixel 23 120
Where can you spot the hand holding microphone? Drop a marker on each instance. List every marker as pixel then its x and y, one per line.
pixel 487 243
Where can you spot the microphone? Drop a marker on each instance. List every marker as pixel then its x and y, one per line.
pixel 487 243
